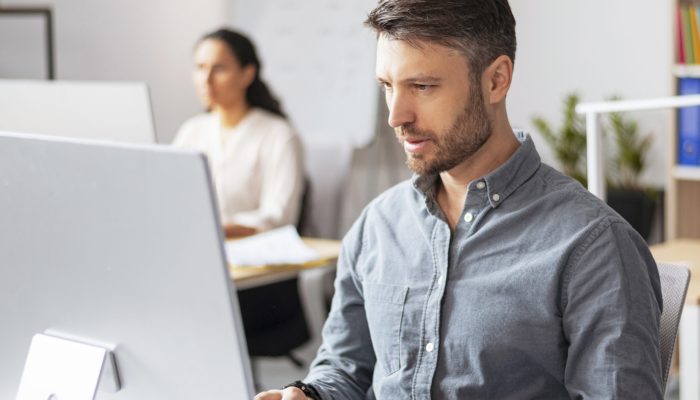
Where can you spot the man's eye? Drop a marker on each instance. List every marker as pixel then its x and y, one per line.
pixel 385 86
pixel 422 88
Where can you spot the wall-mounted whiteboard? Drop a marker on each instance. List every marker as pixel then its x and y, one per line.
pixel 111 111
pixel 319 58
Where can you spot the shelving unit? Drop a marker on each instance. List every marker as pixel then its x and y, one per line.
pixel 683 209
pixel 685 173
pixel 686 70
pixel 683 189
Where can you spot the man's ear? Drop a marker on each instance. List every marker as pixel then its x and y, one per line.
pixel 497 79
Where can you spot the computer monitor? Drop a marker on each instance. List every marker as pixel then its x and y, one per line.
pixel 118 246
pixel 112 111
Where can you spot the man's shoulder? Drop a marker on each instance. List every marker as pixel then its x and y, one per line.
pixel 575 206
pixel 402 193
pixel 388 206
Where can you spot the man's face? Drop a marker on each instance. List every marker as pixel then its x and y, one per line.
pixel 438 113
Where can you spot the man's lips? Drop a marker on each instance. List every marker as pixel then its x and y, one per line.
pixel 415 144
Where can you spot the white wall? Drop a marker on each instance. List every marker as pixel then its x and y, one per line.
pixel 132 40
pixel 598 48
pixel 319 58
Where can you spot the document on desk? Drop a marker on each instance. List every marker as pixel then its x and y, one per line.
pixel 281 246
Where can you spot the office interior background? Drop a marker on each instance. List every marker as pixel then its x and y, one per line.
pixel 319 60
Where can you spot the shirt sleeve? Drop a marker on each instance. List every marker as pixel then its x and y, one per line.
pixel 345 361
pixel 611 311
pixel 282 186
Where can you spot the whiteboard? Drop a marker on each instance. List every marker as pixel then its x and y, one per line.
pixel 319 59
pixel 113 111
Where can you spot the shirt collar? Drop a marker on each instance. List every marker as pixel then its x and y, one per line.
pixel 501 182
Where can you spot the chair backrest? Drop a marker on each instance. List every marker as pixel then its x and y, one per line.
pixel 302 221
pixel 674 286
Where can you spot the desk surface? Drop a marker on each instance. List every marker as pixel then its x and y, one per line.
pixel 244 277
pixel 682 251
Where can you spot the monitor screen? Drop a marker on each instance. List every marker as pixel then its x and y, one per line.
pixel 118 245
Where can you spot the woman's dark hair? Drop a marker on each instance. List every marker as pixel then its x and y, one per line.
pixel 481 29
pixel 257 95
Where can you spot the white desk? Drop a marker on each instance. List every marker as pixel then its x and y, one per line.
pixel 247 277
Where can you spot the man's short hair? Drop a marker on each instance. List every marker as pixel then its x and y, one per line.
pixel 482 30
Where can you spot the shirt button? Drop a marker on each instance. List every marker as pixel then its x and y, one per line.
pixel 496 197
pixel 468 217
pixel 429 347
pixel 480 185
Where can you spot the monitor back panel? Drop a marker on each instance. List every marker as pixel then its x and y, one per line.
pixel 113 111
pixel 118 245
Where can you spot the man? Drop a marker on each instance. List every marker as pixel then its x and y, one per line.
pixel 489 275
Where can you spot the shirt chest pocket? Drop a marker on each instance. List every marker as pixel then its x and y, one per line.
pixel 384 306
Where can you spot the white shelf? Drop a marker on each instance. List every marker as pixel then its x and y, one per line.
pixel 686 70
pixel 685 172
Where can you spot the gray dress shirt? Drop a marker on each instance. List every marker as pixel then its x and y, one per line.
pixel 541 292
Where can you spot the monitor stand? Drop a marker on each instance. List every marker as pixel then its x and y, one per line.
pixel 61 369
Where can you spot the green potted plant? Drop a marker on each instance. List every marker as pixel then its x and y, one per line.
pixel 569 141
pixel 630 150
pixel 624 192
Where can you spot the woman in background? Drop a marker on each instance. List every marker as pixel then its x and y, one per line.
pixel 255 157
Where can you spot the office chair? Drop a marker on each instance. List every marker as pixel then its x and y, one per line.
pixel 674 286
pixel 274 320
pixel 273 315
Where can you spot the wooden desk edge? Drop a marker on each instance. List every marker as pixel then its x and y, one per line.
pixel 328 250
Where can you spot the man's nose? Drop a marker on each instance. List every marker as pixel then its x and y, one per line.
pixel 400 109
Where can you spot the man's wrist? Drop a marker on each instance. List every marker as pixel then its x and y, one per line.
pixel 308 390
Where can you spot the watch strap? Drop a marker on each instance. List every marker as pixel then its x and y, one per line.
pixel 308 390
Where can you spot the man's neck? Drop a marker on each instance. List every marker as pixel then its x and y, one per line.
pixel 454 184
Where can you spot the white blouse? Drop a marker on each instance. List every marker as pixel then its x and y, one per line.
pixel 257 167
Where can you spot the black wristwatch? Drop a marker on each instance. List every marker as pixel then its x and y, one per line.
pixel 308 390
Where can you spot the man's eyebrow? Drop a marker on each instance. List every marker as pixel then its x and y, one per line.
pixel 420 78
pixel 424 79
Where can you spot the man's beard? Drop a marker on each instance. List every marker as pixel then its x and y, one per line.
pixel 465 137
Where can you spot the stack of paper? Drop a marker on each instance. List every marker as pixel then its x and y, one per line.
pixel 280 246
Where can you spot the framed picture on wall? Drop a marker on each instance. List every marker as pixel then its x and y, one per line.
pixel 26 43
